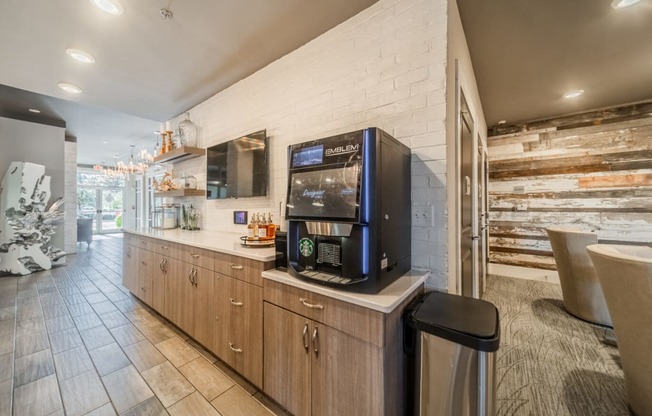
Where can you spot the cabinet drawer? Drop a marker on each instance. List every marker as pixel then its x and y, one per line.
pixel 166 248
pixel 197 256
pixel 247 270
pixel 128 239
pixel 144 242
pixel 358 321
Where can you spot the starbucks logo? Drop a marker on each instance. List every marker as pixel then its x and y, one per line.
pixel 306 247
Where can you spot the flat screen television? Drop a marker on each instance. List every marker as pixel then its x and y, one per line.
pixel 238 168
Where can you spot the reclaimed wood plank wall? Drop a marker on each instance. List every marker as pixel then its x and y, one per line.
pixel 596 175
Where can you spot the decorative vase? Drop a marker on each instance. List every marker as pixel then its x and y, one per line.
pixel 188 132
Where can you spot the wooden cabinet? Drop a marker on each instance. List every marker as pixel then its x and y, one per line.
pixel 324 356
pixel 130 268
pixel 202 302
pixel 238 326
pixel 145 271
pixel 179 290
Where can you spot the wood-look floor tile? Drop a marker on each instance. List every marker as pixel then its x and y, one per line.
pixel 206 378
pixel 150 407
pixel 65 340
pixel 156 332
pixel 80 309
pixel 106 410
pixel 59 323
pixel 201 350
pixel 49 299
pixel 109 358
pixel 104 307
pixel 6 396
pixel 195 405
pixel 83 393
pixel 32 367
pixel 8 326
pixel 96 298
pixel 96 337
pixel 6 367
pixel 114 319
pixel 168 383
pixel 72 362
pixel 127 335
pixel 273 407
pixel 87 321
pixel 144 355
pixel 31 343
pixel 126 388
pixel 236 401
pixel 8 312
pixel 28 309
pixel 128 305
pixel 239 380
pixel 52 311
pixel 40 397
pixel 29 326
pixel 177 351
pixel 74 299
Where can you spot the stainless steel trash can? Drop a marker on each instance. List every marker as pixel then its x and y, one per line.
pixel 453 340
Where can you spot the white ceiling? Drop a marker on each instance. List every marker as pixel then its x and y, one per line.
pixel 148 68
pixel 526 53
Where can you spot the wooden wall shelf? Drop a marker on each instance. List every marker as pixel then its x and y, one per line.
pixel 180 192
pixel 180 154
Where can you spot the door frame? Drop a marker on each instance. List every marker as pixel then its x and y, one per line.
pixel 97 226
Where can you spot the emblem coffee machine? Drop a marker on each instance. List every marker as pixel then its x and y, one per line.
pixel 348 206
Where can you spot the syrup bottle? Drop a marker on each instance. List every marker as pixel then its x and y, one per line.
pixel 262 228
pixel 271 227
pixel 250 228
pixel 255 227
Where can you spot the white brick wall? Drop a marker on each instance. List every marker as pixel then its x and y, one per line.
pixel 385 67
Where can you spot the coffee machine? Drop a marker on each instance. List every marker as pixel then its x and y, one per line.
pixel 348 210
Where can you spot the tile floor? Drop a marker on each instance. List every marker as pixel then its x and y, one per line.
pixel 74 341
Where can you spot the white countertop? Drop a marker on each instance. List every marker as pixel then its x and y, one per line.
pixel 228 243
pixel 385 301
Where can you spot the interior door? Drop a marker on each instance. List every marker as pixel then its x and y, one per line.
pixel 466 198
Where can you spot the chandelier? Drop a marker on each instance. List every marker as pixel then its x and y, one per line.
pixel 132 167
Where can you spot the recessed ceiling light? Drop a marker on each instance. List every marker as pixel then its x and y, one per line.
pixel 80 56
pixel 105 142
pixel 73 89
pixel 33 110
pixel 621 4
pixel 573 94
pixel 501 122
pixel 113 7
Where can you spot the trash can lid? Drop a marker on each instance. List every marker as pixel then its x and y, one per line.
pixel 467 321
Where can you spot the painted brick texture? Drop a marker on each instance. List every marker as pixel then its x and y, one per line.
pixel 385 67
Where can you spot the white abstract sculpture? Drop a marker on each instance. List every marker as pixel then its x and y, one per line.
pixel 26 226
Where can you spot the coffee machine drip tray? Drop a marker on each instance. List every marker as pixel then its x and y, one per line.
pixel 329 278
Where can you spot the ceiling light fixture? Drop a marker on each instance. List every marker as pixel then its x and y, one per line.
pixel 133 167
pixel 501 122
pixel 73 89
pixel 33 110
pixel 573 94
pixel 80 56
pixel 113 7
pixel 621 4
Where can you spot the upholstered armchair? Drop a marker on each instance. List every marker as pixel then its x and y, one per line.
pixel 580 287
pixel 625 273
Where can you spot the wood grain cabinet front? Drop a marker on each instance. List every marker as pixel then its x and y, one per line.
pixel 130 268
pixel 238 326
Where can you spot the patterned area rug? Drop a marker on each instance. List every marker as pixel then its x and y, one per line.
pixel 550 363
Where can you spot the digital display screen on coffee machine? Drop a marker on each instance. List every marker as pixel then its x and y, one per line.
pixel 308 156
pixel 326 193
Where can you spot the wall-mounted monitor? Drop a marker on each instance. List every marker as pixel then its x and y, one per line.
pixel 238 168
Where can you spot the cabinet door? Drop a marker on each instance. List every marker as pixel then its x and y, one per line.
pixel 163 268
pixel 244 336
pixel 287 360
pixel 145 271
pixel 222 306
pixel 347 377
pixel 202 298
pixel 179 292
pixel 130 268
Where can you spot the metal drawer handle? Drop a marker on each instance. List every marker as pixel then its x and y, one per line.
pixel 237 266
pixel 194 277
pixel 161 265
pixel 143 289
pixel 234 303
pixel 194 255
pixel 165 247
pixel 315 341
pixel 310 305
pixel 306 345
pixel 234 349
pixel 190 277
pixel 144 263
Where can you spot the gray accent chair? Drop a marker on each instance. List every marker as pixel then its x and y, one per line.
pixel 580 287
pixel 625 273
